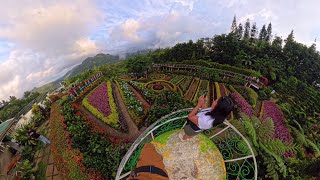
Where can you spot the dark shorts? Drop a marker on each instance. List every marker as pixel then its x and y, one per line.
pixel 189 131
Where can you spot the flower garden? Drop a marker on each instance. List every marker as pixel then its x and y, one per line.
pixel 95 123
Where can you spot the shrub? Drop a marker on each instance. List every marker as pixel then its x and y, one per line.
pixel 244 107
pixel 270 110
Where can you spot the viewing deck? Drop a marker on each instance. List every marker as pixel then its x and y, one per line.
pixel 236 151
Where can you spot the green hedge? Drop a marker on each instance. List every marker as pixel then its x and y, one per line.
pixel 225 67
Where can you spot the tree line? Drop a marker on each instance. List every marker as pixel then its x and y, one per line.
pixel 247 47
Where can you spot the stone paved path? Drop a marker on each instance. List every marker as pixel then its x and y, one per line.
pixel 45 156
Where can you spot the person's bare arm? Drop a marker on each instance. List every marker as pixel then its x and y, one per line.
pixel 213 105
pixel 192 115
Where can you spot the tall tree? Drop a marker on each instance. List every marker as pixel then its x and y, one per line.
pixel 277 42
pixel 253 31
pixel 263 33
pixel 290 38
pixel 247 30
pixel 269 33
pixel 234 25
pixel 240 31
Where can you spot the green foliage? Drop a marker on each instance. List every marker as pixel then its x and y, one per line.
pixel 99 153
pixel 138 64
pixel 279 162
pixel 25 167
pixel 166 103
pixel 261 135
pixel 301 139
pixel 14 105
pixel 40 174
pixel 251 132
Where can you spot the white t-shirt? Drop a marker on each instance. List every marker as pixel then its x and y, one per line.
pixel 205 121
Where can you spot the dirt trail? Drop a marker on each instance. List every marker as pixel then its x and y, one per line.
pixel 132 128
pixel 257 109
pixel 210 93
pixel 192 89
pixel 111 131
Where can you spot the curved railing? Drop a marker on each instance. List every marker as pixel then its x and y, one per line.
pixel 237 153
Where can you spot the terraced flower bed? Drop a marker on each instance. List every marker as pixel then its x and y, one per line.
pixel 147 93
pixel 223 90
pixel 101 104
pixel 131 102
pixel 201 89
pixel 217 90
pixel 269 109
pixel 249 94
pixel 177 79
pixel 192 90
pixel 185 83
pixel 243 105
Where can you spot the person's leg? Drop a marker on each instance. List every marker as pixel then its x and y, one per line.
pixel 188 132
pixel 41 138
pixel 45 139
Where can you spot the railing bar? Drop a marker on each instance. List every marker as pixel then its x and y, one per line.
pixel 141 138
pixel 250 148
pixel 184 124
pixel 152 134
pixel 219 132
pixel 125 175
pixel 237 159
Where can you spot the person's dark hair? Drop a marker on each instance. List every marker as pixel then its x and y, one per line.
pixel 222 110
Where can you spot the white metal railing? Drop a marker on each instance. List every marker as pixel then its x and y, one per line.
pixel 163 121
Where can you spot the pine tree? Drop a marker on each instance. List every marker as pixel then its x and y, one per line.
pixel 234 25
pixel 240 31
pixel 253 31
pixel 290 37
pixel 269 33
pixel 263 33
pixel 247 30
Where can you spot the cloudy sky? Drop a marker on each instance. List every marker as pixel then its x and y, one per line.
pixel 42 39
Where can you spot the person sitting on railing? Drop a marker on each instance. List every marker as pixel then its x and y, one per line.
pixel 207 118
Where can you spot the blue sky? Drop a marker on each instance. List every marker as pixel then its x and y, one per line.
pixel 41 40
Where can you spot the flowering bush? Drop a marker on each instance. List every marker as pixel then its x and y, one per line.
pixel 271 110
pixel 132 103
pixel 148 94
pixel 249 94
pixel 242 103
pixel 100 155
pixel 99 99
pixel 101 104
pixel 68 161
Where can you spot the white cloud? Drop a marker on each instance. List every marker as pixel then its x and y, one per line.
pixel 40 40
pixel 48 38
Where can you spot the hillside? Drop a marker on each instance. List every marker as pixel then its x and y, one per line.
pixel 88 63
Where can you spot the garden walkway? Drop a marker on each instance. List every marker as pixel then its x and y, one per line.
pixel 44 155
pixel 257 109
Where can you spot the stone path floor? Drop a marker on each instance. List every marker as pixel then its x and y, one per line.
pixel 45 156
